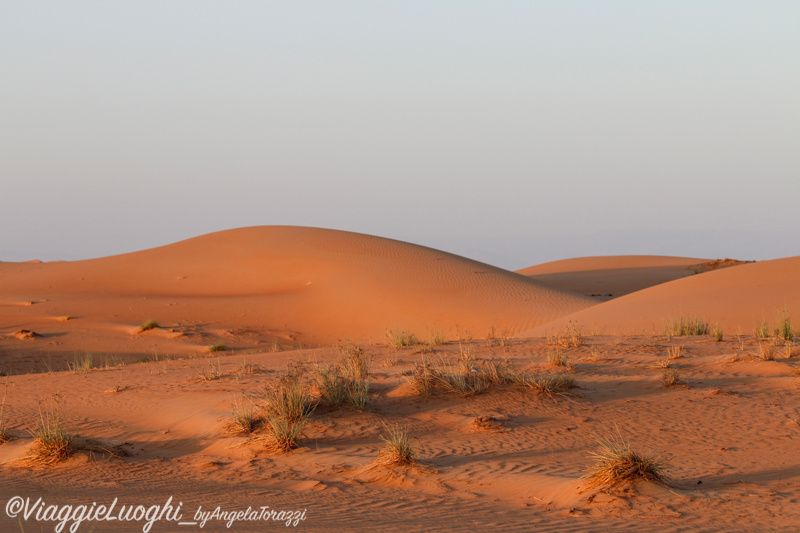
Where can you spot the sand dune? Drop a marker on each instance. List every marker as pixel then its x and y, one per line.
pixel 607 277
pixel 735 298
pixel 258 286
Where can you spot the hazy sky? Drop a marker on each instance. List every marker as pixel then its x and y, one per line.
pixel 511 132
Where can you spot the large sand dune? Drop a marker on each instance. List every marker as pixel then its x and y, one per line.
pixel 607 277
pixel 738 299
pixel 260 286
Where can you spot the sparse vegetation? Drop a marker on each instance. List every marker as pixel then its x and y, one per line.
pixel 211 373
pixel 52 442
pixel 674 352
pixel 436 337
pixel 784 329
pixel 347 380
pixel 245 419
pixel 551 384
pixel 401 338
pixel 216 348
pixel 671 378
pixel 765 352
pixel 571 337
pixel 717 332
pixel 288 408
pixel 398 450
pixel 556 358
pixel 616 462
pixel 686 326
pixel 148 325
pixel 82 364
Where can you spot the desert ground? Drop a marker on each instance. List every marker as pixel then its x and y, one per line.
pixel 165 370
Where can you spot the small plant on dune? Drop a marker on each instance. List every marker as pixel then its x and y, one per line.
pixel 245 419
pixel 288 408
pixel 52 442
pixel 347 380
pixel 789 345
pixel 718 333
pixel 556 358
pixel 765 352
pixel 670 378
pixel 686 326
pixel 674 352
pixel 762 329
pixel 784 329
pixel 436 337
pixel 551 384
pixel 398 450
pixel 401 338
pixel 664 363
pixel 571 337
pixel 216 348
pixel 82 364
pixel 616 462
pixel 148 325
pixel 211 373
pixel 424 378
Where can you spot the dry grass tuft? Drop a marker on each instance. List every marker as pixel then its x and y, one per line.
pixel 245 417
pixel 670 378
pixel 765 352
pixel 216 348
pixel 674 352
pixel 686 326
pixel 616 462
pixel 556 358
pixel 571 337
pixel 346 381
pixel 288 408
pixel 398 450
pixel 52 442
pixel 148 325
pixel 401 338
pixel 551 384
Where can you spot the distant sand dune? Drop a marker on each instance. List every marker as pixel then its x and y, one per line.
pixel 606 277
pixel 736 298
pixel 257 285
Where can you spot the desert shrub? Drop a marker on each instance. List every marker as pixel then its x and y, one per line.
pixel 52 443
pixel 670 377
pixel 81 364
pixel 551 384
pixel 346 381
pixel 148 325
pixel 616 462
pixel 401 338
pixel 216 348
pixel 686 326
pixel 288 407
pixel 398 450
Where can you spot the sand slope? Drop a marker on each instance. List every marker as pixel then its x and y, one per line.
pixel 264 285
pixel 607 277
pixel 735 298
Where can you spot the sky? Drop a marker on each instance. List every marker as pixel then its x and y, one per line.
pixel 512 132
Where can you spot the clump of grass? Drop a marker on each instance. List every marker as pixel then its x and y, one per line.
pixel 347 380
pixel 216 348
pixel 424 378
pixel 288 408
pixel 398 450
pixel 789 346
pixel 664 363
pixel 401 338
pixel 571 337
pixel 670 378
pixel 248 367
pixel 211 373
pixel 674 352
pixel 436 337
pixel 148 325
pixel 762 329
pixel 82 364
pixel 717 332
pixel 551 384
pixel 784 328
pixel 52 442
pixel 616 462
pixel 765 352
pixel 245 419
pixel 686 326
pixel 556 358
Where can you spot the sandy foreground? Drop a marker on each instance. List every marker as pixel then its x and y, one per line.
pixel 152 409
